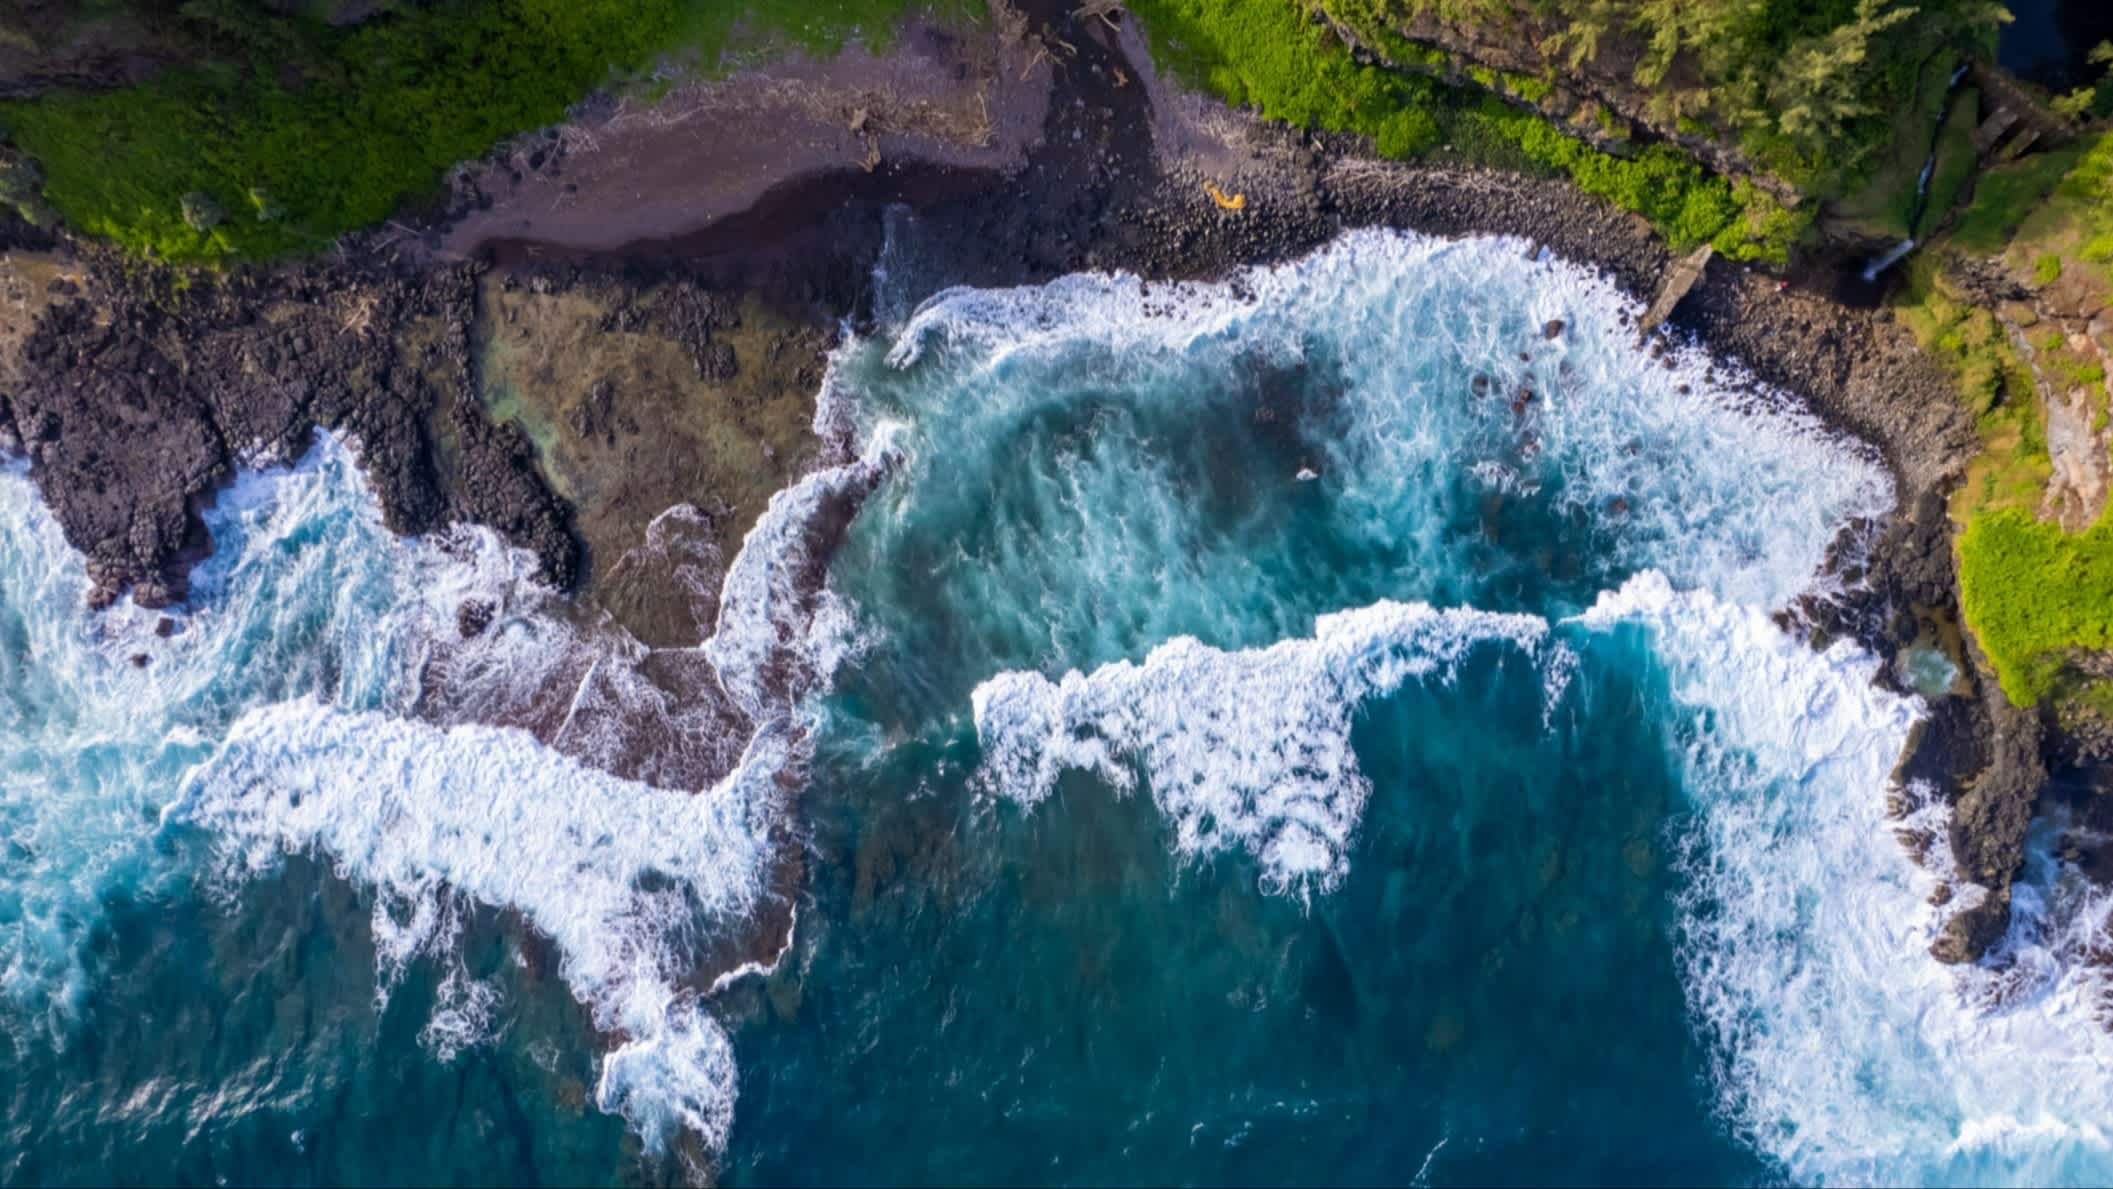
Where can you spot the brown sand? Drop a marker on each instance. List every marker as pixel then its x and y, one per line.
pixel 628 170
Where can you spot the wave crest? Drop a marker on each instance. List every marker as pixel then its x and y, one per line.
pixel 1247 750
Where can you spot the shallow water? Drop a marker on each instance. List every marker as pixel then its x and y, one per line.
pixel 1327 727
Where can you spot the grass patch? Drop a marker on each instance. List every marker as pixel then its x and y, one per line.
pixel 2071 234
pixel 1268 55
pixel 2034 593
pixel 2005 195
pixel 311 131
pixel 1956 160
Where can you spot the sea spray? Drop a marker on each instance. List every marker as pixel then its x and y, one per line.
pixel 1153 490
pixel 632 883
pixel 1243 749
pixel 1846 1051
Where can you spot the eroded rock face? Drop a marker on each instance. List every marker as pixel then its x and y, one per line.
pixel 2076 491
pixel 30 283
pixel 135 403
pixel 1989 820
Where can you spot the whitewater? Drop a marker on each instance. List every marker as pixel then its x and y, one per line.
pixel 1838 1046
pixel 288 710
pixel 1279 558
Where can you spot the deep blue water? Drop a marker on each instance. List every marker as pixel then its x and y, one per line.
pixel 1330 729
pixel 2050 41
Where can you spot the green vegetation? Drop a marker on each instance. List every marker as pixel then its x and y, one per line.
pixel 1526 86
pixel 1810 88
pixel 2004 195
pixel 305 131
pixel 1956 160
pixel 2034 593
pixel 1966 339
pixel 2075 224
pixel 1268 55
pixel 1883 203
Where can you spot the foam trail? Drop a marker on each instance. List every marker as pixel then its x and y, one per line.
pixel 101 714
pixel 1241 749
pixel 278 709
pixel 780 630
pixel 1845 1050
pixel 615 873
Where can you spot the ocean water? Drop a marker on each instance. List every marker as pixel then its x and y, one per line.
pixel 1330 727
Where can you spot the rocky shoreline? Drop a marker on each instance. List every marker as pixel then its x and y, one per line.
pixel 679 367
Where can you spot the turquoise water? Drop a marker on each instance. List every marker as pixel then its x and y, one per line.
pixel 1331 727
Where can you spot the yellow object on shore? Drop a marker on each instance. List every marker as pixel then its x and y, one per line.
pixel 1230 202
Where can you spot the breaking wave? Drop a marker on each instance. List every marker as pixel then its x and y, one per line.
pixel 1239 749
pixel 1846 1051
pixel 437 725
pixel 620 876
pixel 1139 618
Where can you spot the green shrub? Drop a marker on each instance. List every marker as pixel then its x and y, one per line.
pixel 1765 229
pixel 314 131
pixel 1268 55
pixel 1526 86
pixel 2003 196
pixel 2032 594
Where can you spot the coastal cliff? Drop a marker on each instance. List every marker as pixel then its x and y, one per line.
pixel 596 321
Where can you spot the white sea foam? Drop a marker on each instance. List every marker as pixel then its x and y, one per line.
pixel 1844 1049
pixel 1446 368
pixel 464 1015
pixel 305 594
pixel 619 875
pixel 1240 749
pixel 281 710
pixel 780 631
pixel 628 880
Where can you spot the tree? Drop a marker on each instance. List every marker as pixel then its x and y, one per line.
pixel 1819 86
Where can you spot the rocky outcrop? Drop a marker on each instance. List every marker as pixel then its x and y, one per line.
pixel 1989 819
pixel 2076 449
pixel 135 402
pixel 1678 281
pixel 649 397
